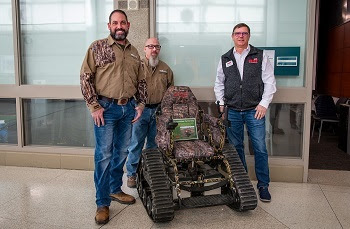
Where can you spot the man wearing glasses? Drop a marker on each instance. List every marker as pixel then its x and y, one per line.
pixel 110 76
pixel 159 77
pixel 245 83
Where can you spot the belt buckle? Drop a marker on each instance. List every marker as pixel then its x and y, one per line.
pixel 123 101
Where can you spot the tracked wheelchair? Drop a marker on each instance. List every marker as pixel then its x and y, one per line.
pixel 192 156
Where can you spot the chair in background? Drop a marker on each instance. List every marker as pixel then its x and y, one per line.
pixel 325 112
pixel 341 100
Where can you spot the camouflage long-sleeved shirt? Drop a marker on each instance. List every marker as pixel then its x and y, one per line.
pixel 113 72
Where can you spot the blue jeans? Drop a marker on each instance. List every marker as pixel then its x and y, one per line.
pixel 256 131
pixel 144 127
pixel 3 134
pixel 112 141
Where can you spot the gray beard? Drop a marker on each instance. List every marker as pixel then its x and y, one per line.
pixel 119 37
pixel 153 61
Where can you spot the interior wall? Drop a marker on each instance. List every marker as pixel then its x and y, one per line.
pixel 139 22
pixel 333 68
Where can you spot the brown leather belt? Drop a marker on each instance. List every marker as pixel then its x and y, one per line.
pixel 122 101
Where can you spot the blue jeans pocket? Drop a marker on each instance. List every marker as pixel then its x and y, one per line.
pixel 133 102
pixel 104 104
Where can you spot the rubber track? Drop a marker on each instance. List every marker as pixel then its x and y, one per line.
pixel 162 198
pixel 241 179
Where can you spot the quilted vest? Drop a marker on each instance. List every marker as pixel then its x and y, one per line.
pixel 243 94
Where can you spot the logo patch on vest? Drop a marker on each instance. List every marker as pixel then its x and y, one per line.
pixel 229 63
pixel 253 61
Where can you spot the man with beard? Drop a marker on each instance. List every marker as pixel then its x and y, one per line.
pixel 111 75
pixel 159 78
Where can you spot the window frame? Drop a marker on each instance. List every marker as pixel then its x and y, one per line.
pixel 288 95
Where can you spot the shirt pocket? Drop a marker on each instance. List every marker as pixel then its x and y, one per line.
pixel 164 79
pixel 104 55
pixel 133 66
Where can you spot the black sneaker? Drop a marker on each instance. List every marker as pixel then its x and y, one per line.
pixel 264 194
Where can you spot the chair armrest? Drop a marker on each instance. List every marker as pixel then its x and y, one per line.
pixel 163 137
pixel 171 125
pixel 215 130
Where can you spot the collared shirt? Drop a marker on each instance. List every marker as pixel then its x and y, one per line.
pixel 158 80
pixel 267 76
pixel 113 72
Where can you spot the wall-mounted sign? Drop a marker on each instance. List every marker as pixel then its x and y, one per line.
pixel 286 60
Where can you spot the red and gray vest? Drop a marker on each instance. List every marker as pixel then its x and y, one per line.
pixel 243 94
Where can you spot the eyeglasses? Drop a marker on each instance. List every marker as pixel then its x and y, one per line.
pixel 153 46
pixel 238 34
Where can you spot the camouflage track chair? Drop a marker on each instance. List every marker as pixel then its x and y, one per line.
pixel 192 158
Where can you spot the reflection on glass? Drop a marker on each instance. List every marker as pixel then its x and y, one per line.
pixel 8 122
pixel 284 129
pixel 57 122
pixel 7 66
pixel 55 36
pixel 194 34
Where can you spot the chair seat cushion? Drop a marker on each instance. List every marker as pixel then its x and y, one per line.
pixel 192 149
pixel 328 117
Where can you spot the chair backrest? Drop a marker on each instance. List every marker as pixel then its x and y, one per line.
pixel 325 107
pixel 180 102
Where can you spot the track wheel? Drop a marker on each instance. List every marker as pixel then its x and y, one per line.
pixel 149 206
pixel 157 191
pixel 236 205
pixel 243 191
pixel 144 197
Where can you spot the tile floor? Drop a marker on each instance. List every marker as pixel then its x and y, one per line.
pixel 53 198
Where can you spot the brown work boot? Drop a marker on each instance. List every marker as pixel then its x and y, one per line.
pixel 123 198
pixel 131 183
pixel 102 215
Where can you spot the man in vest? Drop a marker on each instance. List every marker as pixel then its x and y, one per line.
pixel 159 77
pixel 245 84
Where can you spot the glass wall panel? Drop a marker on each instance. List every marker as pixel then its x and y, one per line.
pixel 56 35
pixel 7 60
pixel 8 121
pixel 284 129
pixel 57 122
pixel 194 34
